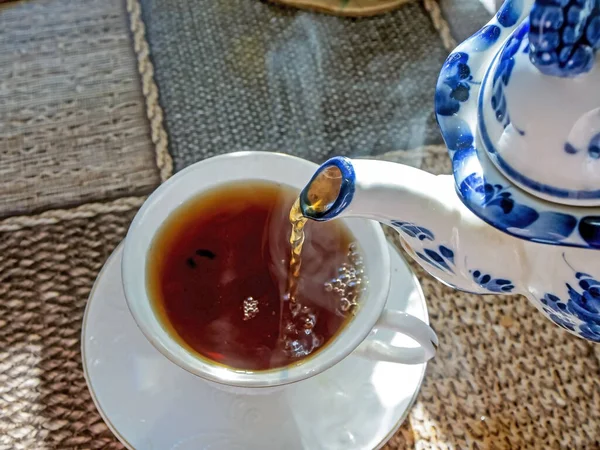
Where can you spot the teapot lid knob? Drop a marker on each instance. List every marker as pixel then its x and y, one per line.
pixel 541 130
pixel 564 36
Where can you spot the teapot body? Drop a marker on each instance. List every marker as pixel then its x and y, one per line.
pixel 459 248
pixel 464 252
pixel 518 106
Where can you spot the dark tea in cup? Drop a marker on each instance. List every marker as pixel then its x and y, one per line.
pixel 218 273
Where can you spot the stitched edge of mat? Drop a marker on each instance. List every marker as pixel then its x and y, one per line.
pixel 84 211
pixel 440 24
pixel 150 90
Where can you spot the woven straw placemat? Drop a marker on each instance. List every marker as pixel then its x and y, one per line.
pixel 46 273
pixel 504 378
pixel 72 115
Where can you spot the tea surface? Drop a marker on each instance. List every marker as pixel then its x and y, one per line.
pixel 218 277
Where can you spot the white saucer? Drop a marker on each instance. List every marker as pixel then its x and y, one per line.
pixel 151 404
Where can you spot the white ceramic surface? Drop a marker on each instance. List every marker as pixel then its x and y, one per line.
pixel 294 172
pixel 555 114
pixel 518 105
pixel 152 404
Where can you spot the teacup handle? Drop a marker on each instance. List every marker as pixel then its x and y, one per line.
pixel 406 324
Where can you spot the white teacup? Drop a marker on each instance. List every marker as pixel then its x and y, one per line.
pixel 294 172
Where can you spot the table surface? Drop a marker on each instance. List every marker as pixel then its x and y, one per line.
pixel 102 100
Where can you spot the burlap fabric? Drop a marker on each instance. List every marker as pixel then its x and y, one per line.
pixel 504 377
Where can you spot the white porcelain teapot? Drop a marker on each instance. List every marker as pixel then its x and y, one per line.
pixel 518 104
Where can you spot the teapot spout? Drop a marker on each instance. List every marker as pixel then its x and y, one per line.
pixel 378 190
pixel 428 215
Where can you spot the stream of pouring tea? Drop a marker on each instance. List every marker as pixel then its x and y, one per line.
pixel 321 193
pixel 298 337
pixel 297 221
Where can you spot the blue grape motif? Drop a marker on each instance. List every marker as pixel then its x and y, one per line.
pixel 499 285
pixel 504 72
pixel 564 36
pixel 453 84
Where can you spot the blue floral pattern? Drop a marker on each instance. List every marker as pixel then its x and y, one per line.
pixel 516 175
pixel 589 230
pixel 557 311
pixel 455 80
pixel 497 203
pixel 503 72
pixel 486 37
pixel 556 48
pixel 453 85
pixel 579 313
pixel 570 149
pixel 442 258
pixel 509 12
pixel 499 285
pixel 414 231
pixel 458 138
pixel 593 149
pixel 499 198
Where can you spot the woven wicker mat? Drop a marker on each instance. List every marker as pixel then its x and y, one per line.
pixel 505 378
pixel 72 122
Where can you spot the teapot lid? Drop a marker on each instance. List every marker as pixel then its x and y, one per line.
pixel 501 141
